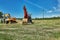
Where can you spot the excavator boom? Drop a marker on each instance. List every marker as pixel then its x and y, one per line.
pixel 25 13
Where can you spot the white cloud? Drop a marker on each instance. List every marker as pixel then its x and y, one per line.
pixel 58 4
pixel 54 8
pixel 57 9
pixel 50 11
pixel 55 16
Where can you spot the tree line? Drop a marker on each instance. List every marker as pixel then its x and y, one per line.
pixel 1 15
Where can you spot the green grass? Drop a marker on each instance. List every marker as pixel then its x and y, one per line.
pixel 40 30
pixel 6 37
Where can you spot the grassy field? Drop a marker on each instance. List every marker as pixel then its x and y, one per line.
pixel 40 30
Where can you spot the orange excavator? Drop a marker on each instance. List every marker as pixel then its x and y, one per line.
pixel 27 18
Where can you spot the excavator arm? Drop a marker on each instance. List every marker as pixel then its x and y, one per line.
pixel 25 13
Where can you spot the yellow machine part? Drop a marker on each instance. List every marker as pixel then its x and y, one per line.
pixel 13 19
pixel 25 21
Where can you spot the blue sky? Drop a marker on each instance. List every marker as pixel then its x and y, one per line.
pixel 35 7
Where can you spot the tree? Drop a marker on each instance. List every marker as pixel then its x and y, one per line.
pixel 1 14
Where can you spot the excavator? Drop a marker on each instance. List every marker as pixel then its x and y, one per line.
pixel 7 19
pixel 27 17
pixel 26 20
